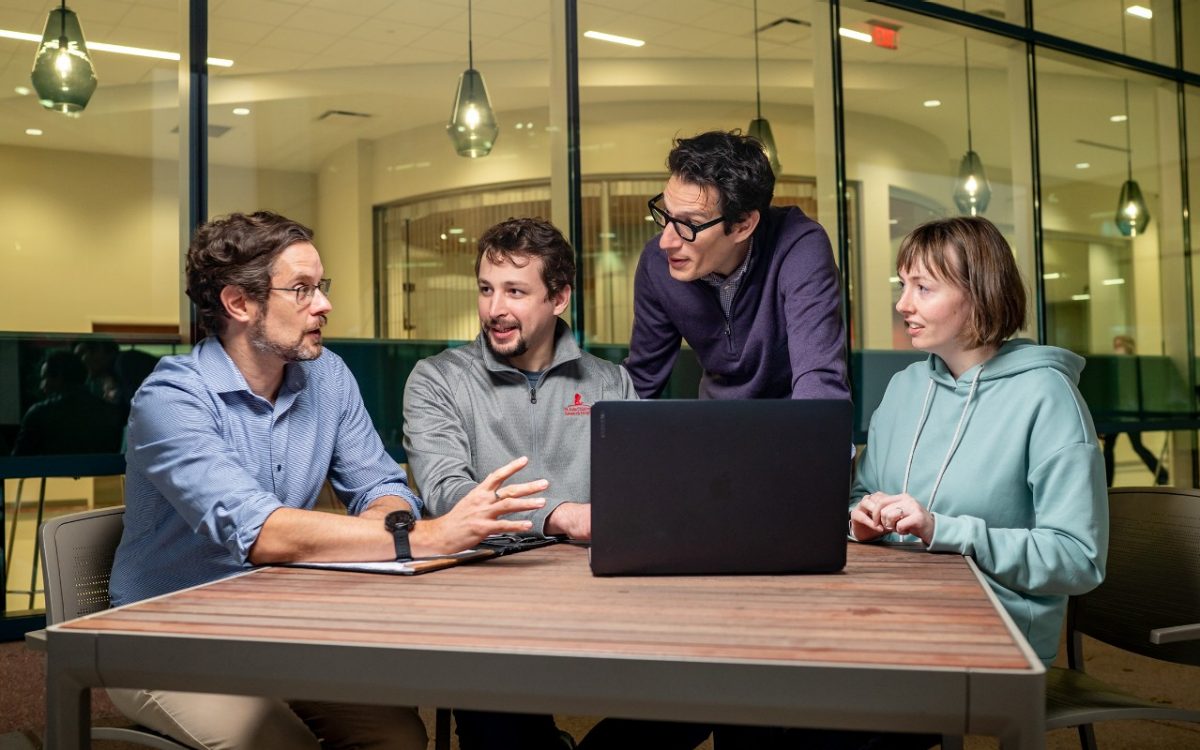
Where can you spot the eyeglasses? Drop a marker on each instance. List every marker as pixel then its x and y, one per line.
pixel 686 230
pixel 305 292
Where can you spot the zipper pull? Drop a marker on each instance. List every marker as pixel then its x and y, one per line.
pixel 532 395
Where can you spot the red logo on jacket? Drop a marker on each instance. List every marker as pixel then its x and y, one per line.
pixel 578 409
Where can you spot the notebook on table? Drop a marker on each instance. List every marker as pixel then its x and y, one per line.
pixel 492 546
pixel 714 487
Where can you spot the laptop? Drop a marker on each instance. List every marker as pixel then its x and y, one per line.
pixel 715 487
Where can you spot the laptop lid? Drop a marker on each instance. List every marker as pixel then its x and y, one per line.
pixel 690 487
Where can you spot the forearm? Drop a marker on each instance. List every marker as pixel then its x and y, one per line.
pixel 381 506
pixel 292 535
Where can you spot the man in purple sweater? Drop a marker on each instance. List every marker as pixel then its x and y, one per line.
pixel 752 289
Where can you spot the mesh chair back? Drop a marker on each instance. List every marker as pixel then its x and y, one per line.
pixel 1153 577
pixel 77 554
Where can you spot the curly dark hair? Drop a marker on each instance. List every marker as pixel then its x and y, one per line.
pixel 531 238
pixel 236 250
pixel 733 164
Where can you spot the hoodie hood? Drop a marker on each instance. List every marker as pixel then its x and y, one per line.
pixel 1012 358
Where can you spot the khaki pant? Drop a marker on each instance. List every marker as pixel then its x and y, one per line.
pixel 237 722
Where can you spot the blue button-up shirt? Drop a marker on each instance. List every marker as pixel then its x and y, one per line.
pixel 208 461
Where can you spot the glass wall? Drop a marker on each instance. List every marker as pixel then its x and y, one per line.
pixel 693 69
pixel 1140 28
pixel 331 109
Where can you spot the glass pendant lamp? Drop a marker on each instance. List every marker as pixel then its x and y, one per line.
pixel 972 191
pixel 63 74
pixel 472 127
pixel 760 128
pixel 1133 216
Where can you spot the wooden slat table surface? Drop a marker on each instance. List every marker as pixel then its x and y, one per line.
pixel 891 606
pixel 900 640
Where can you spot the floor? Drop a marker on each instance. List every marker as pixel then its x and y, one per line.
pixel 22 682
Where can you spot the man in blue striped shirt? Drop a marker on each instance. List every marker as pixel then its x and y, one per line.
pixel 228 448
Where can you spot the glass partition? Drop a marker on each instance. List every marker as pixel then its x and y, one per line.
pixel 1149 27
pixel 331 109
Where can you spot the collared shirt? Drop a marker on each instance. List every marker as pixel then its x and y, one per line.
pixel 208 461
pixel 727 286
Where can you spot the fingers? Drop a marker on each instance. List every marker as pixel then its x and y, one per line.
pixel 496 478
pixel 514 505
pixel 508 527
pixel 521 490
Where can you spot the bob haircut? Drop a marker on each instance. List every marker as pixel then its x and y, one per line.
pixel 970 253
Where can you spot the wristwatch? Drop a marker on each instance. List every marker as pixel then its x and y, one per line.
pixel 399 523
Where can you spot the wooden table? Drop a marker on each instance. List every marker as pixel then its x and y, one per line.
pixel 901 640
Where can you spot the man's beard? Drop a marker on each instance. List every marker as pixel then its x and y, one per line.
pixel 296 352
pixel 515 349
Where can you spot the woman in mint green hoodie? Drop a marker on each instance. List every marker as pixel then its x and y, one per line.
pixel 986 448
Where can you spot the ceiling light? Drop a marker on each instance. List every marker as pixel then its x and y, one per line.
pixel 520 126
pixel 455 230
pixel 63 74
pixel 972 191
pixel 23 90
pixel 893 279
pixel 33 131
pixel 601 36
pixel 1051 276
pixel 760 127
pixel 117 48
pixel 1133 215
pixel 472 127
pixel 931 103
pixel 856 35
pixel 1080 297
pixel 241 111
pixel 1112 282
pixel 1082 165
pixel 1139 11
pixel 1118 118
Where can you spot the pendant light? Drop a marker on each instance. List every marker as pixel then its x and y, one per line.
pixel 63 74
pixel 472 125
pixel 1132 214
pixel 760 128
pixel 972 191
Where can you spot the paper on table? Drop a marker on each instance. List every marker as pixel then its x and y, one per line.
pixel 406 568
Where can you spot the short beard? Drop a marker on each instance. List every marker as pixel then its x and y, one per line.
pixel 519 348
pixel 294 353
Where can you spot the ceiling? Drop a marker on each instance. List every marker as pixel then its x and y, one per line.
pixel 398 61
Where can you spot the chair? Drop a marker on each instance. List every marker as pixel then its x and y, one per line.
pixel 1149 604
pixel 77 557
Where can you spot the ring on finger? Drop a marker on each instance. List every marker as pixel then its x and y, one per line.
pixel 497 494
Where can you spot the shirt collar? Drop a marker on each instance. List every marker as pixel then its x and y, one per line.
pixel 718 280
pixel 221 373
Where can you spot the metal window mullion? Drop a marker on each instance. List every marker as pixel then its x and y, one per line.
pixel 193 103
pixel 574 170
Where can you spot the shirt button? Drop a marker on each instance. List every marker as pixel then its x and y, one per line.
pixel 278 467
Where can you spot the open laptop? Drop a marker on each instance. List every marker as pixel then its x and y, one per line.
pixel 712 487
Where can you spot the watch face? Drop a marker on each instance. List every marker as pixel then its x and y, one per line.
pixel 399 519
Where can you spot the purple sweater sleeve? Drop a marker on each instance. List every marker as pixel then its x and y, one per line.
pixel 654 343
pixel 811 292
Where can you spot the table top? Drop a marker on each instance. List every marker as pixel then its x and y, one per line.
pixel 890 606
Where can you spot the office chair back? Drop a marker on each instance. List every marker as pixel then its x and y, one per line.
pixel 1153 576
pixel 77 554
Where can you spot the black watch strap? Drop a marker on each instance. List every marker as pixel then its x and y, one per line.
pixel 403 548
pixel 399 523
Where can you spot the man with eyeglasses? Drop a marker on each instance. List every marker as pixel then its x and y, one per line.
pixel 228 448
pixel 752 289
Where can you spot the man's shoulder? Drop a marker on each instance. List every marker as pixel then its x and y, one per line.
pixel 453 359
pixel 598 367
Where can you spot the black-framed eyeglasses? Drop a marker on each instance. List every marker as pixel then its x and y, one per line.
pixel 686 230
pixel 305 292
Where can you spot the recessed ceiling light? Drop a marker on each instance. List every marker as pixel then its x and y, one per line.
pixel 1112 282
pixel 1080 297
pixel 243 111
pixel 601 36
pixel 117 48
pixel 22 90
pixel 1082 165
pixel 860 36
pixel 33 131
pixel 1118 118
pixel 455 230
pixel 1139 11
pixel 520 126
pixel 1051 276
pixel 932 103
pixel 893 279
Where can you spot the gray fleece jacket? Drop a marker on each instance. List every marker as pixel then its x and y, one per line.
pixel 467 413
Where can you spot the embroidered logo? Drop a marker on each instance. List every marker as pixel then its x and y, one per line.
pixel 578 408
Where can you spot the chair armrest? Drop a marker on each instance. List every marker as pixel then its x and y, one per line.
pixel 1175 634
pixel 35 640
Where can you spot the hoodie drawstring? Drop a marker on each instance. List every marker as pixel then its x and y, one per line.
pixel 953 441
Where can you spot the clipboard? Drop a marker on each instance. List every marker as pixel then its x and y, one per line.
pixel 492 546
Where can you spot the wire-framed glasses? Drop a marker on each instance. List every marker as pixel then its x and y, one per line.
pixel 686 230
pixel 305 292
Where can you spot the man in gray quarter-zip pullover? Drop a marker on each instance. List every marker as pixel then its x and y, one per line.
pixel 752 289
pixel 523 387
